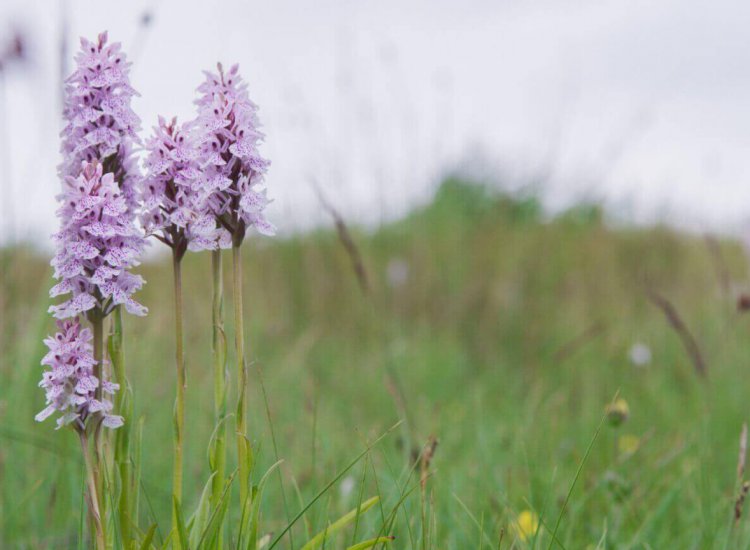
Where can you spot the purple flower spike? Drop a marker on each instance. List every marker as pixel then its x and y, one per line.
pixel 96 246
pixel 233 169
pixel 70 383
pixel 173 209
pixel 100 124
pixel 98 241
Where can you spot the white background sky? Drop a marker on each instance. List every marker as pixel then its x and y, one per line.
pixel 644 105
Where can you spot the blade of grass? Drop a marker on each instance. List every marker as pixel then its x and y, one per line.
pixel 473 518
pixel 275 451
pixel 394 512
pixel 340 523
pixel 180 523
pixel 148 539
pixel 332 482
pixel 575 479
pixel 301 502
pixel 151 512
pixel 199 520
pixel 361 496
pixel 218 512
pixel 252 542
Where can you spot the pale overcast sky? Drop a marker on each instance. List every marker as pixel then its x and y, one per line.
pixel 644 105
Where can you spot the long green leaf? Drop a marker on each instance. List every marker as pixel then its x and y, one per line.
pixel 148 539
pixel 199 521
pixel 252 539
pixel 181 530
pixel 216 520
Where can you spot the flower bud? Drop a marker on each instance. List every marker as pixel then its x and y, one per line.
pixel 617 412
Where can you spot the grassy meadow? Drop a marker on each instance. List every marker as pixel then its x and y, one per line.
pixel 496 329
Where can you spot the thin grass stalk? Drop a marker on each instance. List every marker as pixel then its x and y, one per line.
pixel 92 494
pixel 179 405
pixel 244 456
pixel 219 348
pixel 124 405
pixel 275 452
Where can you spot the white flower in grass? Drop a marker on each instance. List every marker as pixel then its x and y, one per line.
pixel 640 354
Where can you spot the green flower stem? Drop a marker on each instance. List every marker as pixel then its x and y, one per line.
pixel 219 345
pixel 123 407
pixel 98 464
pixel 244 455
pixel 179 405
pixel 92 494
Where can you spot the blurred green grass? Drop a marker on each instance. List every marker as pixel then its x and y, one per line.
pixel 498 329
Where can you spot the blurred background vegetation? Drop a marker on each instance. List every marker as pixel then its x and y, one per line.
pixel 478 319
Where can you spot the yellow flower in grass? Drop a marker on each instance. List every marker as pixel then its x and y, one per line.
pixel 628 444
pixel 526 525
